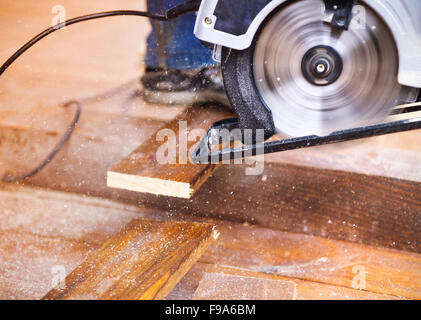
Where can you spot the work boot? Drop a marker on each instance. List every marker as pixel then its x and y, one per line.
pixel 184 87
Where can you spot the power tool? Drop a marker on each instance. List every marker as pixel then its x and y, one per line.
pixel 318 71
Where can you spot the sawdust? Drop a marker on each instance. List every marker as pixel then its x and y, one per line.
pixel 222 286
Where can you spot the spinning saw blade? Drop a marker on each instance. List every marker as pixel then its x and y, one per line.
pixel 317 79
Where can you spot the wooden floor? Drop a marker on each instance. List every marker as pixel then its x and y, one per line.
pixel 339 222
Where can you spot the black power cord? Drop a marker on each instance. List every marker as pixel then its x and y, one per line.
pixel 56 149
pixel 174 12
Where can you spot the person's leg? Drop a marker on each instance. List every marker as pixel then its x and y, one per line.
pixel 179 69
pixel 172 44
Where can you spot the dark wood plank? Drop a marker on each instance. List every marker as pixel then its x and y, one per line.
pixel 143 261
pixel 365 209
pixel 394 155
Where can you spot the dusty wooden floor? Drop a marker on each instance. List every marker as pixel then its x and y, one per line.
pixel 301 230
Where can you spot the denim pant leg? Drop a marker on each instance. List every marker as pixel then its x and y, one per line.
pixel 172 44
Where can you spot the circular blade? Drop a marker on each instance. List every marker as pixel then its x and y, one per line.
pixel 364 88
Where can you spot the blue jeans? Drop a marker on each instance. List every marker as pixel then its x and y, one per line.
pixel 172 44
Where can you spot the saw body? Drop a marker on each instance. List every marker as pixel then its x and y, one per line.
pixel 315 67
pixel 234 24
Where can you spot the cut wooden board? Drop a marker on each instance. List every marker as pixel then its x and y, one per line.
pixel 143 261
pixel 143 170
pixel 373 210
pixel 200 283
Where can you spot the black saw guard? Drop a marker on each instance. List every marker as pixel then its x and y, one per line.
pixel 204 155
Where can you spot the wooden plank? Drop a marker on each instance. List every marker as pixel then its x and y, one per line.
pixel 193 286
pixel 372 210
pixel 316 259
pixel 143 261
pixel 45 235
pixel 143 170
pixel 366 209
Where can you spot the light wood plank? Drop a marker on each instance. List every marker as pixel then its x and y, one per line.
pixel 143 170
pixel 143 261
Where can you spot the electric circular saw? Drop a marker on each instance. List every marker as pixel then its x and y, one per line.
pixel 318 71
